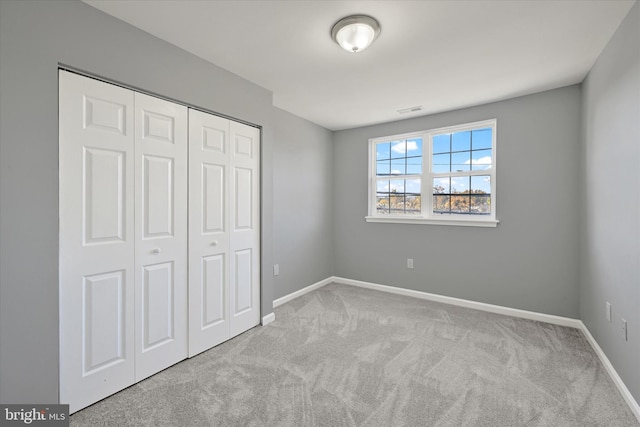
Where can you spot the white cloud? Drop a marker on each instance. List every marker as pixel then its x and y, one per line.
pixel 481 163
pixel 395 171
pixel 401 148
pixel 398 147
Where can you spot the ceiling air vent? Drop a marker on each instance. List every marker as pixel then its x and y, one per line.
pixel 410 109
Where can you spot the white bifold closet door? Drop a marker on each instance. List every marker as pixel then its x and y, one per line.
pixel 224 229
pixel 161 314
pixel 123 238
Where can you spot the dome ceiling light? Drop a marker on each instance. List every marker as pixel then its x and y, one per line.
pixel 355 33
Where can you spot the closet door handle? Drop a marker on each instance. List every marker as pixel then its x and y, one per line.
pixel 156 251
pixel 214 243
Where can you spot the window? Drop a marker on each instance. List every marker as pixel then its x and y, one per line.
pixel 439 176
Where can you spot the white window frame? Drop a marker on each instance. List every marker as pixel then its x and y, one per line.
pixel 426 179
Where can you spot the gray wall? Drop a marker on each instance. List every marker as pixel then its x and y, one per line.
pixel 610 209
pixel 530 261
pixel 314 186
pixel 302 203
pixel 34 37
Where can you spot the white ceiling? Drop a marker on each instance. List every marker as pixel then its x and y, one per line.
pixel 442 55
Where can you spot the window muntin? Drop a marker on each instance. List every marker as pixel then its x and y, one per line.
pixel 455 164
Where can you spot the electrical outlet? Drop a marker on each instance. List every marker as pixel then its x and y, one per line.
pixel 276 269
pixel 624 330
pixel 608 311
pixel 409 262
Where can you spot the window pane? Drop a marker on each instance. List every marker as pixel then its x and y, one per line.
pixel 481 139
pixel 441 163
pixel 460 204
pixel 399 157
pixel 462 195
pixel 383 150
pixel 414 147
pixel 396 202
pixel 481 160
pixel 459 184
pixel 481 184
pixel 414 165
pixel 382 196
pixel 441 199
pixel 461 162
pixel 413 200
pixel 412 205
pixel 398 197
pixel 441 204
pixel 382 186
pixel 480 204
pixel 382 203
pixel 461 141
pixel 398 149
pixel 441 185
pixel 413 186
pixel 396 186
pixel 398 167
pixel 441 143
pixel 383 168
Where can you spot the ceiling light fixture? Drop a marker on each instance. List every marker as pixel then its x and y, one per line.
pixel 356 32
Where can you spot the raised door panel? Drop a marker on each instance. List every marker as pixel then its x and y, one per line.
pixel 244 196
pixel 158 202
pixel 101 113
pixel 208 231
pixel 243 283
pixel 161 234
pixel 158 305
pixel 214 293
pixel 245 228
pixel 96 147
pixel 103 321
pixel 104 196
pixel 213 199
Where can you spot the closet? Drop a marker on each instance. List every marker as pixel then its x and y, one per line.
pixel 159 235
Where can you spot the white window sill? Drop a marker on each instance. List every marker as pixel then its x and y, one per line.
pixel 462 222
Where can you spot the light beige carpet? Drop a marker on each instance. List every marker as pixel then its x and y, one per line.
pixel 346 356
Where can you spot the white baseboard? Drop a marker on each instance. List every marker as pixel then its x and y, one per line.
pixel 278 302
pixel 524 314
pixel 268 318
pixel 622 388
